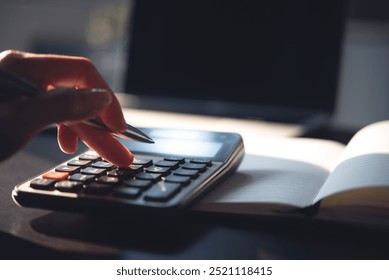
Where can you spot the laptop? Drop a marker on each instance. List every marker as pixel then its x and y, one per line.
pixel 270 60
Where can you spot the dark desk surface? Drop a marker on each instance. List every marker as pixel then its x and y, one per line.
pixel 40 234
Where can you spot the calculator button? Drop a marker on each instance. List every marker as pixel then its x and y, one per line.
pixel 166 163
pixel 102 164
pixel 90 157
pixel 160 170
pixel 77 162
pixel 97 188
pixel 187 172
pixel 149 176
pixel 57 176
pixel 68 186
pixel 121 173
pixel 42 184
pixel 207 162
pixel 162 191
pixel 67 168
pixel 93 171
pixel 108 180
pixel 184 180
pixel 140 184
pixel 195 166
pixel 127 192
pixel 136 168
pixel 178 159
pixel 82 178
pixel 143 162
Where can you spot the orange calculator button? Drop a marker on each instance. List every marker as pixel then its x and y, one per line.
pixel 57 176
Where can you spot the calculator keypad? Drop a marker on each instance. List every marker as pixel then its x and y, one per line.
pixel 148 179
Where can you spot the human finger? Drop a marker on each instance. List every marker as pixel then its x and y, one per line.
pixel 67 139
pixel 59 106
pixel 104 144
pixel 64 71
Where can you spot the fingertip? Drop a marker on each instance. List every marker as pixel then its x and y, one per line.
pixel 120 156
pixel 67 139
pixel 123 161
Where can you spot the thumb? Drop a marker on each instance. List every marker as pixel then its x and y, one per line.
pixel 62 105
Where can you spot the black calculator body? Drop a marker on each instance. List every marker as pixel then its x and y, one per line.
pixel 165 177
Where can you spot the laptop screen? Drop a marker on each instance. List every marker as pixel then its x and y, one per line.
pixel 235 57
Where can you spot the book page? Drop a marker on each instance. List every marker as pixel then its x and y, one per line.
pixel 363 164
pixel 277 169
pixel 275 172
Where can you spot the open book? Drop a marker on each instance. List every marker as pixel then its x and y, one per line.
pixel 342 182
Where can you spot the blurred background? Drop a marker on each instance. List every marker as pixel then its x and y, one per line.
pixel 97 30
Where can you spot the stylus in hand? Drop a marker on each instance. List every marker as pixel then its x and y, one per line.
pixel 13 86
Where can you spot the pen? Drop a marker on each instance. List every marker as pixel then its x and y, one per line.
pixel 13 86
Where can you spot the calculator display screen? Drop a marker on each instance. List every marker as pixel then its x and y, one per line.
pixel 186 147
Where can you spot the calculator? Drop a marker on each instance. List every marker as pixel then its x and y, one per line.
pixel 166 177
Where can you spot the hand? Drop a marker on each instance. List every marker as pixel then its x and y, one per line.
pixel 60 76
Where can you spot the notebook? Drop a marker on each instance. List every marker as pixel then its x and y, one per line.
pixel 270 60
